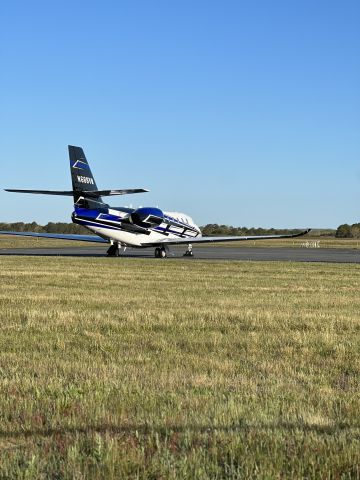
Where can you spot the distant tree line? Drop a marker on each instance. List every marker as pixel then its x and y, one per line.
pixel 348 231
pixel 50 227
pixel 343 231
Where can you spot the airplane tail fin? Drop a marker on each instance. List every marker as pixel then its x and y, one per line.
pixel 84 188
pixel 81 176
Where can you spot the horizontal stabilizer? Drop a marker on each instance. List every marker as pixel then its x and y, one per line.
pixel 86 193
pixel 60 236
pixel 45 192
pixel 124 191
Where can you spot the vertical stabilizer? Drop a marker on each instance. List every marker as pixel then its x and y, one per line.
pixel 81 176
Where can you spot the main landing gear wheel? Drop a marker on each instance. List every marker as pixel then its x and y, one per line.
pixel 189 252
pixel 160 252
pixel 113 250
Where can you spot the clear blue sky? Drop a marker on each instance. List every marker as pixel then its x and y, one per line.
pixel 237 112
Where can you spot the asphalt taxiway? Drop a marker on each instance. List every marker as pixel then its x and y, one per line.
pixel 332 255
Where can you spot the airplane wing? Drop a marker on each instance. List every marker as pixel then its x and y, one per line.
pixel 179 241
pixel 88 193
pixel 61 236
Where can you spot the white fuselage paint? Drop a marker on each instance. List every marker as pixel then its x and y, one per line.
pixel 137 239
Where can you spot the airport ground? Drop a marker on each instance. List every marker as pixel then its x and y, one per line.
pixel 178 369
pixel 301 242
pixel 296 250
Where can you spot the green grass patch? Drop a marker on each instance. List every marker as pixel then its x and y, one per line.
pixel 173 369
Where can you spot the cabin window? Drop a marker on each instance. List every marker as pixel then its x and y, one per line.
pixel 154 220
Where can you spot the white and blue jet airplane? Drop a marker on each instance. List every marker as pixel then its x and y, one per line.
pixel 121 226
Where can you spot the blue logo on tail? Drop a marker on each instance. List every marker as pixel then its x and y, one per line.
pixel 81 165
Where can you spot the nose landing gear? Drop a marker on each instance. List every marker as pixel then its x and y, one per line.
pixel 113 250
pixel 189 252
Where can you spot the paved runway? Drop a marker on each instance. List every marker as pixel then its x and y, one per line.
pixel 206 253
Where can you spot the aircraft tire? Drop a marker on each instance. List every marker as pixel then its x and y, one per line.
pixel 113 251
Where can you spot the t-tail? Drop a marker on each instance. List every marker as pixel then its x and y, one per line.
pixel 85 190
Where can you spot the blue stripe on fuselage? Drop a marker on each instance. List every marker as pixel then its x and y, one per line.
pixel 88 223
pixel 92 217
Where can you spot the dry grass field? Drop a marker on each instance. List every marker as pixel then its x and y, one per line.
pixel 8 241
pixel 197 370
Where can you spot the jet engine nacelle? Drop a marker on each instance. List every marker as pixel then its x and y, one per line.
pixel 147 217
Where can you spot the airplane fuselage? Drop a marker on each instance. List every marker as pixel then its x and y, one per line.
pixel 135 227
